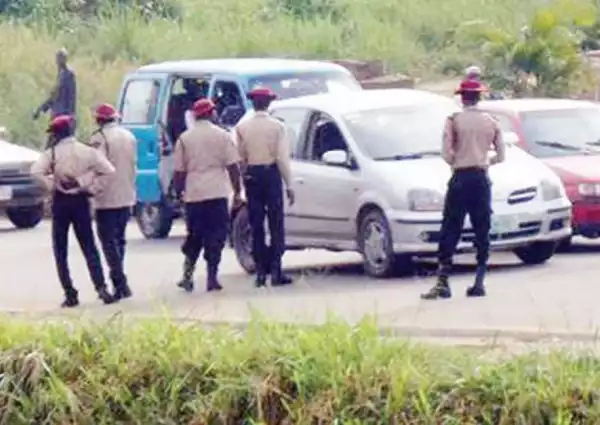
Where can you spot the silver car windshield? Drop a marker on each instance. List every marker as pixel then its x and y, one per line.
pixel 289 86
pixel 400 132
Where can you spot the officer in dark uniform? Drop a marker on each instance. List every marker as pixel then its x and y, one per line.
pixel 114 203
pixel 70 171
pixel 468 137
pixel 264 151
pixel 206 167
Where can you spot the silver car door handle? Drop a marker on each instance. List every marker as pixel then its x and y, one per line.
pixel 299 180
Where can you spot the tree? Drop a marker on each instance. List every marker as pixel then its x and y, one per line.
pixel 542 59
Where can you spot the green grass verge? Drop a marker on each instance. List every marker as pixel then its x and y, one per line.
pixel 158 372
pixel 414 36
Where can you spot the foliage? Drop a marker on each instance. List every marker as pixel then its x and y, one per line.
pixel 543 58
pixel 157 372
pixel 415 37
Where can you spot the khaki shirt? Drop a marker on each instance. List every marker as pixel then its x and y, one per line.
pixel 468 138
pixel 71 158
pixel 204 152
pixel 262 140
pixel 120 147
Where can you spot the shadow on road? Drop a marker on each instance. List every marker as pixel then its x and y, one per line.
pixel 580 249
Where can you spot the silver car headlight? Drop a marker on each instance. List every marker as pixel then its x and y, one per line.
pixel 425 200
pixel 589 189
pixel 550 190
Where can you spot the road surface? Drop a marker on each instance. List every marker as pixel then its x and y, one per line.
pixel 560 297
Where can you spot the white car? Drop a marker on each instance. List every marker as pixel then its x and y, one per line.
pixel 20 196
pixel 369 177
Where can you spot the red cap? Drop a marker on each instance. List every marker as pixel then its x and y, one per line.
pixel 203 108
pixel 106 111
pixel 262 92
pixel 60 122
pixel 470 85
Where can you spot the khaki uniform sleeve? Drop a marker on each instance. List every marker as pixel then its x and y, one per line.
pixel 283 156
pixel 231 155
pixel 448 141
pixel 498 143
pixel 100 166
pixel 241 145
pixel 41 171
pixel 179 157
pixel 97 141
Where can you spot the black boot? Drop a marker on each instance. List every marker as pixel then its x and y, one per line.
pixel 478 288
pixel 106 296
pixel 261 280
pixel 122 290
pixel 212 282
pixel 187 282
pixel 278 278
pixel 440 290
pixel 71 300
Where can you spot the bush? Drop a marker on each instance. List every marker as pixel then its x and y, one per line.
pixel 157 372
pixel 415 37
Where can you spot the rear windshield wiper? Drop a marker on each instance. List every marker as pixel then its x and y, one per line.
pixel 413 155
pixel 557 145
pixel 595 143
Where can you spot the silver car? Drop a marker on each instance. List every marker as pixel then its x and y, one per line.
pixel 369 177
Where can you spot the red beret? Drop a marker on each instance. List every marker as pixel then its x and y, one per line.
pixel 106 111
pixel 262 92
pixel 470 85
pixel 60 122
pixel 203 108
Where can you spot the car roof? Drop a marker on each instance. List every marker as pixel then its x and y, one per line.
pixel 539 104
pixel 255 66
pixel 364 100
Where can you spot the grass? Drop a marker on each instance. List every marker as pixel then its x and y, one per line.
pixel 415 37
pixel 157 372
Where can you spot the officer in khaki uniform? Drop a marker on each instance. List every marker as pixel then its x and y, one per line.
pixel 206 166
pixel 468 137
pixel 264 151
pixel 70 171
pixel 114 203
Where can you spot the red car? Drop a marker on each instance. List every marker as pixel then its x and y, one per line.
pixel 565 134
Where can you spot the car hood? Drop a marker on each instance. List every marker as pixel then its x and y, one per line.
pixel 11 153
pixel 519 171
pixel 586 167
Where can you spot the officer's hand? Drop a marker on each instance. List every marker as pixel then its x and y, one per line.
pixel 69 183
pixel 291 196
pixel 237 202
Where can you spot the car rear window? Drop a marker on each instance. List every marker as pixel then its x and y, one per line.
pixel 289 86
pixel 562 132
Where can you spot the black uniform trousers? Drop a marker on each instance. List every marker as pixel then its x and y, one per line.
pixel 469 192
pixel 111 224
pixel 264 192
pixel 67 211
pixel 207 226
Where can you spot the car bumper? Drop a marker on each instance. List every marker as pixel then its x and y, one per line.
pixel 24 193
pixel 419 233
pixel 586 219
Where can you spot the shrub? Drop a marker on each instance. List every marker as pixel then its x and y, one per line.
pixel 157 372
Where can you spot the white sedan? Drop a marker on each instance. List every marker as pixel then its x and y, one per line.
pixel 369 177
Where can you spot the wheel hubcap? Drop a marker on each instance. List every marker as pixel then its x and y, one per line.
pixel 375 244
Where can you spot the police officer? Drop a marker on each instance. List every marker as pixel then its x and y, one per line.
pixel 265 158
pixel 70 171
pixel 473 73
pixel 114 203
pixel 205 159
pixel 468 137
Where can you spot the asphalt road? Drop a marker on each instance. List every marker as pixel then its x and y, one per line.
pixel 560 297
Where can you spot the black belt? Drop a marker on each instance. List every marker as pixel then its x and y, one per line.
pixel 261 166
pixel 470 170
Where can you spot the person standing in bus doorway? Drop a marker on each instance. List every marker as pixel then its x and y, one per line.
pixel 468 137
pixel 264 151
pixel 206 164
pixel 70 170
pixel 114 203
